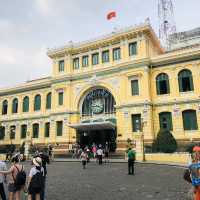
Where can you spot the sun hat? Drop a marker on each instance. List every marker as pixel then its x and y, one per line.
pixel 37 161
pixel 196 148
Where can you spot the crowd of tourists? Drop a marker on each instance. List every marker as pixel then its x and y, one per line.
pixel 94 151
pixel 19 185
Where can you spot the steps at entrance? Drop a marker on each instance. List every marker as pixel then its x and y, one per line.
pixel 112 155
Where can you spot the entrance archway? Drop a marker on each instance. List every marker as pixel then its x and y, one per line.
pixel 98 120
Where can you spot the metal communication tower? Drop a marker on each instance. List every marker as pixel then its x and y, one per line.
pixel 167 24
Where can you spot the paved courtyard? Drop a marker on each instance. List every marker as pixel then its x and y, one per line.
pixel 68 181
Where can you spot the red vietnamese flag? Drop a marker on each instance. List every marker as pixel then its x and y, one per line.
pixel 111 15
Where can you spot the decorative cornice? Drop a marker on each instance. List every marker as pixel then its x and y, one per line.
pixel 141 104
pixel 39 117
pixel 177 102
pixel 106 71
pixel 176 57
pixel 116 35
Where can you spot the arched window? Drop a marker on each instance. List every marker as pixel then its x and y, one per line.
pixel 15 105
pixel 98 101
pixel 162 84
pixel 185 81
pixel 165 119
pixel 37 103
pixel 23 131
pixel 5 107
pixel 47 129
pixel 26 104
pixel 2 132
pixel 48 101
pixel 35 130
pixel 190 120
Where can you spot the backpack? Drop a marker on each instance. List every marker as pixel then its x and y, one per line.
pixel 186 176
pixel 36 183
pixel 20 179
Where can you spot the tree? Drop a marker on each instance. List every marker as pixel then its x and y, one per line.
pixel 165 142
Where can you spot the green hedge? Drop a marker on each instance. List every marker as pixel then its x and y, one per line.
pixel 165 142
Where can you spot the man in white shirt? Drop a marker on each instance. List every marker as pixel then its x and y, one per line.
pixel 2 179
pixel 100 154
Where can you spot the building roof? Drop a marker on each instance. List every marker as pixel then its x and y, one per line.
pixel 102 40
pixel 186 39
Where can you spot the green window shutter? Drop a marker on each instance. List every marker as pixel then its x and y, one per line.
pixel 185 81
pixel 26 104
pixel 132 48
pixel 105 56
pixel 15 106
pixel 60 98
pixel 35 130
pixel 5 107
pixel 162 84
pixel 165 119
pixel 191 83
pixel 116 54
pixel 95 59
pixel 23 131
pixel 158 87
pixel 47 129
pixel 85 62
pixel 76 63
pixel 168 88
pixel 48 101
pixel 59 128
pixel 190 120
pixel 180 84
pixel 134 87
pixel 37 103
pixel 2 132
pixel 61 65
pixel 136 122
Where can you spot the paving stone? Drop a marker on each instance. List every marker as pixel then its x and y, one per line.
pixel 68 181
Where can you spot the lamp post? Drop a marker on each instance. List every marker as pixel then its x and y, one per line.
pixel 142 138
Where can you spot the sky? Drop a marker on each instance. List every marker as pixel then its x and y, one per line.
pixel 29 27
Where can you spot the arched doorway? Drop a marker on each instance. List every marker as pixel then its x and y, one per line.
pixel 98 120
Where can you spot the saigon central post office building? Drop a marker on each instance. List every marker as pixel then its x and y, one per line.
pixel 109 89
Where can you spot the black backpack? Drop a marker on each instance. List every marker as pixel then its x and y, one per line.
pixel 186 176
pixel 37 180
pixel 20 179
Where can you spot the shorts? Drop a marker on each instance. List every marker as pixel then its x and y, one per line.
pixel 13 188
pixel 83 162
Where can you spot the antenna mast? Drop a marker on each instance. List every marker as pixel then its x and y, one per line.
pixel 167 24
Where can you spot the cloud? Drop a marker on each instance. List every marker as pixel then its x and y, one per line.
pixel 10 56
pixel 44 6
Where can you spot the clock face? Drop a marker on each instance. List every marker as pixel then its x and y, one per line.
pixel 97 106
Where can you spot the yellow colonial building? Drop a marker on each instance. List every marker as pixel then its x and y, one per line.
pixel 116 87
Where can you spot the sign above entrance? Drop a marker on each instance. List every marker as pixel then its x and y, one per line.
pixel 97 94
